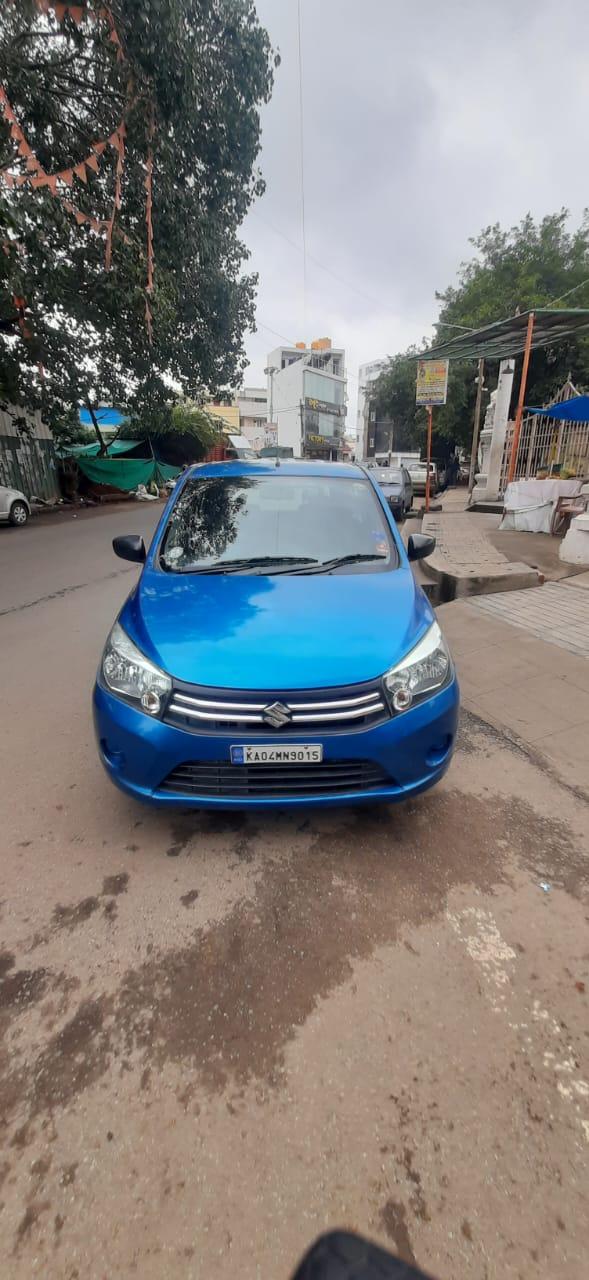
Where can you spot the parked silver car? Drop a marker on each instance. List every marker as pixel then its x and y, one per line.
pixel 397 488
pixel 418 473
pixel 14 507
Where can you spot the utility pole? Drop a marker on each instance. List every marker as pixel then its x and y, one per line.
pixel 269 372
pixel 429 454
pixel 522 395
pixel 476 426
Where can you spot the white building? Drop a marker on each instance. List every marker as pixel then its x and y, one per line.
pixel 367 373
pixel 252 403
pixel 307 398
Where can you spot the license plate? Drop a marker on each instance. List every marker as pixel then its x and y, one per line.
pixel 299 753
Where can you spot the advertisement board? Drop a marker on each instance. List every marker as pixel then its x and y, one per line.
pixel 432 382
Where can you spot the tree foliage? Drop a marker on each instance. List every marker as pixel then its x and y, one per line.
pixel 200 70
pixel 530 265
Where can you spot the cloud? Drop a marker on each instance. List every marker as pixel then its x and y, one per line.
pixel 420 127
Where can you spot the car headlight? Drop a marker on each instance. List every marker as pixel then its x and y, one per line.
pixel 425 669
pixel 127 671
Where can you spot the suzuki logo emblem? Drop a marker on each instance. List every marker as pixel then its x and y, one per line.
pixel 276 714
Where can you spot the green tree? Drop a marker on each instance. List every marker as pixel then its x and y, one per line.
pixel 531 265
pixel 193 73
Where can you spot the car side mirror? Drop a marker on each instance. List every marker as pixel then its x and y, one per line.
pixel 129 547
pixel 420 545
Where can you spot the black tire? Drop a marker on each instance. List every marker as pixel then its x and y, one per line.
pixel 342 1256
pixel 18 514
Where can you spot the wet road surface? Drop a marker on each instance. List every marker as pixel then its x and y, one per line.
pixel 221 1035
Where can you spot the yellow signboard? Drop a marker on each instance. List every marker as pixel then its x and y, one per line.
pixel 432 382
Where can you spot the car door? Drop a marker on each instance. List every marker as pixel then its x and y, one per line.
pixel 407 489
pixel 4 498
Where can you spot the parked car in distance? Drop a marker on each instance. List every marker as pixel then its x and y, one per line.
pixel 418 473
pixel 14 507
pixel 397 488
pixel 276 650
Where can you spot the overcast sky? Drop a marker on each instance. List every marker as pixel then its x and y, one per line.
pixel 422 124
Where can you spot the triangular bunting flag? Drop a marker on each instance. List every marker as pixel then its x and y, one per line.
pixel 52 184
pixel 8 178
pixel 80 172
pixel 60 11
pixel 92 163
pixel 66 176
pixel 76 13
pixel 40 181
pixel 80 217
pixel 99 147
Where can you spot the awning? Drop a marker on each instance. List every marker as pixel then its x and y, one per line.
pixel 507 337
pixel 574 410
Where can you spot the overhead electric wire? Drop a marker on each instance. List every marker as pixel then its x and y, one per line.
pixel 302 151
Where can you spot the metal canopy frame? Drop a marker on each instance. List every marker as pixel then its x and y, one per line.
pixel 544 327
pixel 507 338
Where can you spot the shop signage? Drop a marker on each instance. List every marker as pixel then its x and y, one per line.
pixel 324 406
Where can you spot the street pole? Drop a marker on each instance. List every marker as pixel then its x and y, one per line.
pixel 270 371
pixel 476 427
pixel 429 454
pixel 521 397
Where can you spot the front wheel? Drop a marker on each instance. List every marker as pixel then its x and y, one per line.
pixel 18 514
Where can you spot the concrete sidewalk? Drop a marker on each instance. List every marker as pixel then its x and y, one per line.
pixel 465 561
pixel 534 689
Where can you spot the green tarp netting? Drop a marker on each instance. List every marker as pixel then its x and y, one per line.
pixel 91 450
pixel 126 473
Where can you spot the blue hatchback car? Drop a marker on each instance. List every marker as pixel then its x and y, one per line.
pixel 276 651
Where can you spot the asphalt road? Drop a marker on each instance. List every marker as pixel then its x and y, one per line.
pixel 220 1036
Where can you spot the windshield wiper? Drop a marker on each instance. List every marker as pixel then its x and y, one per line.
pixel 249 562
pixel 356 558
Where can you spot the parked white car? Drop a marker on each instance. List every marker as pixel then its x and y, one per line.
pixel 14 507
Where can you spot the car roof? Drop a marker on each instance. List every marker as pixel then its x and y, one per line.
pixel 286 466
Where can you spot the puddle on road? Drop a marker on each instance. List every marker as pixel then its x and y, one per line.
pixel 229 1001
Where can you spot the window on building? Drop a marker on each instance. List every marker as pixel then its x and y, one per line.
pixel 317 387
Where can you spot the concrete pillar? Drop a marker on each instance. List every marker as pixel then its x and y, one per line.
pixel 488 481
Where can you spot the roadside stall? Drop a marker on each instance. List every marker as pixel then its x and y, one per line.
pixel 547 502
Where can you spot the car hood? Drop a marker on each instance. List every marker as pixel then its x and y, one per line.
pixel 284 632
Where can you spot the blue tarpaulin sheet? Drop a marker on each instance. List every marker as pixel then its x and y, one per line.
pixel 574 410
pixel 104 417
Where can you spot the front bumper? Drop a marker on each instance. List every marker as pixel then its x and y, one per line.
pixel 413 750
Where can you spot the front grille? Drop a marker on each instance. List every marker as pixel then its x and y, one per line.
pixel 199 778
pixel 214 711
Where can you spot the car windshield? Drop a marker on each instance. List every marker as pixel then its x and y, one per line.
pixel 277 524
pixel 389 475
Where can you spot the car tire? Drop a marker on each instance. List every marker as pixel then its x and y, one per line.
pixel 18 514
